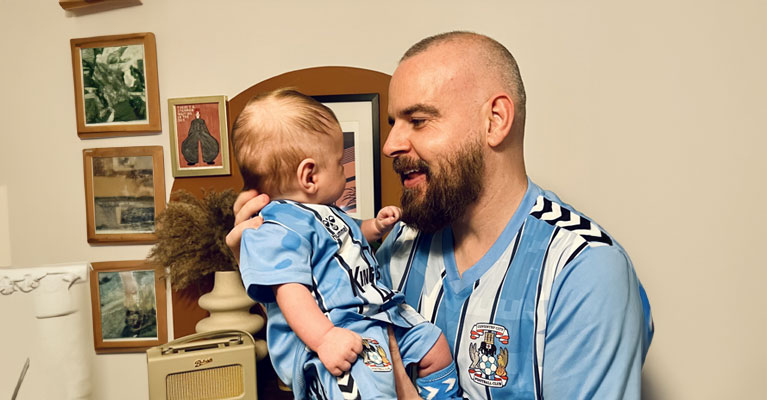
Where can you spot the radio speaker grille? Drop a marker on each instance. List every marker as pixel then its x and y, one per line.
pixel 212 383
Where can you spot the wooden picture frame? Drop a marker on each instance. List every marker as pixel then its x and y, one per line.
pixel 129 306
pixel 359 119
pixel 199 139
pixel 116 86
pixel 124 193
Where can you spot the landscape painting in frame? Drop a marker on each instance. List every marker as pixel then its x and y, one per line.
pixel 124 192
pixel 115 85
pixel 198 134
pixel 128 304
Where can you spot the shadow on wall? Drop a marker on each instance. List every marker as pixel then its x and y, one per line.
pixel 649 390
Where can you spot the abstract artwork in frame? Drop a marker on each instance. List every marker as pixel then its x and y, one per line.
pixel 124 192
pixel 116 85
pixel 129 306
pixel 199 143
pixel 358 116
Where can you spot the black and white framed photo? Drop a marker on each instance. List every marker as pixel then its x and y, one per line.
pixel 116 85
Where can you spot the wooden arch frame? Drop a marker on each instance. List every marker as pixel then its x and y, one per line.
pixel 318 81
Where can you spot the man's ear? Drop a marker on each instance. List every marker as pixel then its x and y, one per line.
pixel 306 174
pixel 500 118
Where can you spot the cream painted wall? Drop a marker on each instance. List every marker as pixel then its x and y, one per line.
pixel 645 115
pixel 5 230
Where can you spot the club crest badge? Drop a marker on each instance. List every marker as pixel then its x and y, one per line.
pixel 488 358
pixel 374 356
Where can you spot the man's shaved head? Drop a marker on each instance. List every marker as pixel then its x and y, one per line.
pixel 493 56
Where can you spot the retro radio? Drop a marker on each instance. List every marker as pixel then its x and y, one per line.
pixel 208 365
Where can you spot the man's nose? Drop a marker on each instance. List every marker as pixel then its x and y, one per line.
pixel 396 143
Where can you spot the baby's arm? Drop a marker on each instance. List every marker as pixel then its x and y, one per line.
pixel 374 229
pixel 337 347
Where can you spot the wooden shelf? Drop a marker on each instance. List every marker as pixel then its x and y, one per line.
pixel 97 4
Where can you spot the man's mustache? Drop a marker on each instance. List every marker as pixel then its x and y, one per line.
pixel 403 165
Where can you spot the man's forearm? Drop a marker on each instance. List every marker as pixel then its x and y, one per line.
pixel 405 387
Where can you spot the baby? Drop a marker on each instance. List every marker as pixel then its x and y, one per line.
pixel 312 266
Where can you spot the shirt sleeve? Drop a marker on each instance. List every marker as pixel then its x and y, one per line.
pixel 273 255
pixel 595 337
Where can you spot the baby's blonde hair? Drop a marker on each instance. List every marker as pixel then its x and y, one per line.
pixel 276 131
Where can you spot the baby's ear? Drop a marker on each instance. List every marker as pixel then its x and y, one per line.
pixel 305 173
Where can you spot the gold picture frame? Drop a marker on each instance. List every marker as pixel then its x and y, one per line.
pixel 124 193
pixel 199 139
pixel 128 305
pixel 116 85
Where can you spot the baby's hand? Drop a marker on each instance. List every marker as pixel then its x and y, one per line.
pixel 339 350
pixel 387 217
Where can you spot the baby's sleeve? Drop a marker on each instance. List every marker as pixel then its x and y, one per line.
pixel 272 255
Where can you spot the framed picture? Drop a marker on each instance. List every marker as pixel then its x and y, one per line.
pixel 199 143
pixel 358 115
pixel 128 305
pixel 116 90
pixel 124 192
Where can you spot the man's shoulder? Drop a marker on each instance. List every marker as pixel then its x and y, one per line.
pixel 568 221
pixel 579 251
pixel 572 239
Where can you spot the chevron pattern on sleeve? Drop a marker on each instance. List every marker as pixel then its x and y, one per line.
pixel 348 387
pixel 556 215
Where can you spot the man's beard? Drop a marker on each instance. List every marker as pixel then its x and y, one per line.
pixel 450 188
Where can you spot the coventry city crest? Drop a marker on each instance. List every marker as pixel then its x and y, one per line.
pixel 488 360
pixel 374 356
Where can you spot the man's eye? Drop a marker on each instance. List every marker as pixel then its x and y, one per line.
pixel 416 122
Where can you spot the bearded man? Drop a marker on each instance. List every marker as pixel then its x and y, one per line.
pixel 491 258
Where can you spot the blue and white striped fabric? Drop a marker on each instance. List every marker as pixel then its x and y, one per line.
pixel 322 248
pixel 554 308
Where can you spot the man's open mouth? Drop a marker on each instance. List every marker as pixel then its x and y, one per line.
pixel 413 178
pixel 411 172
